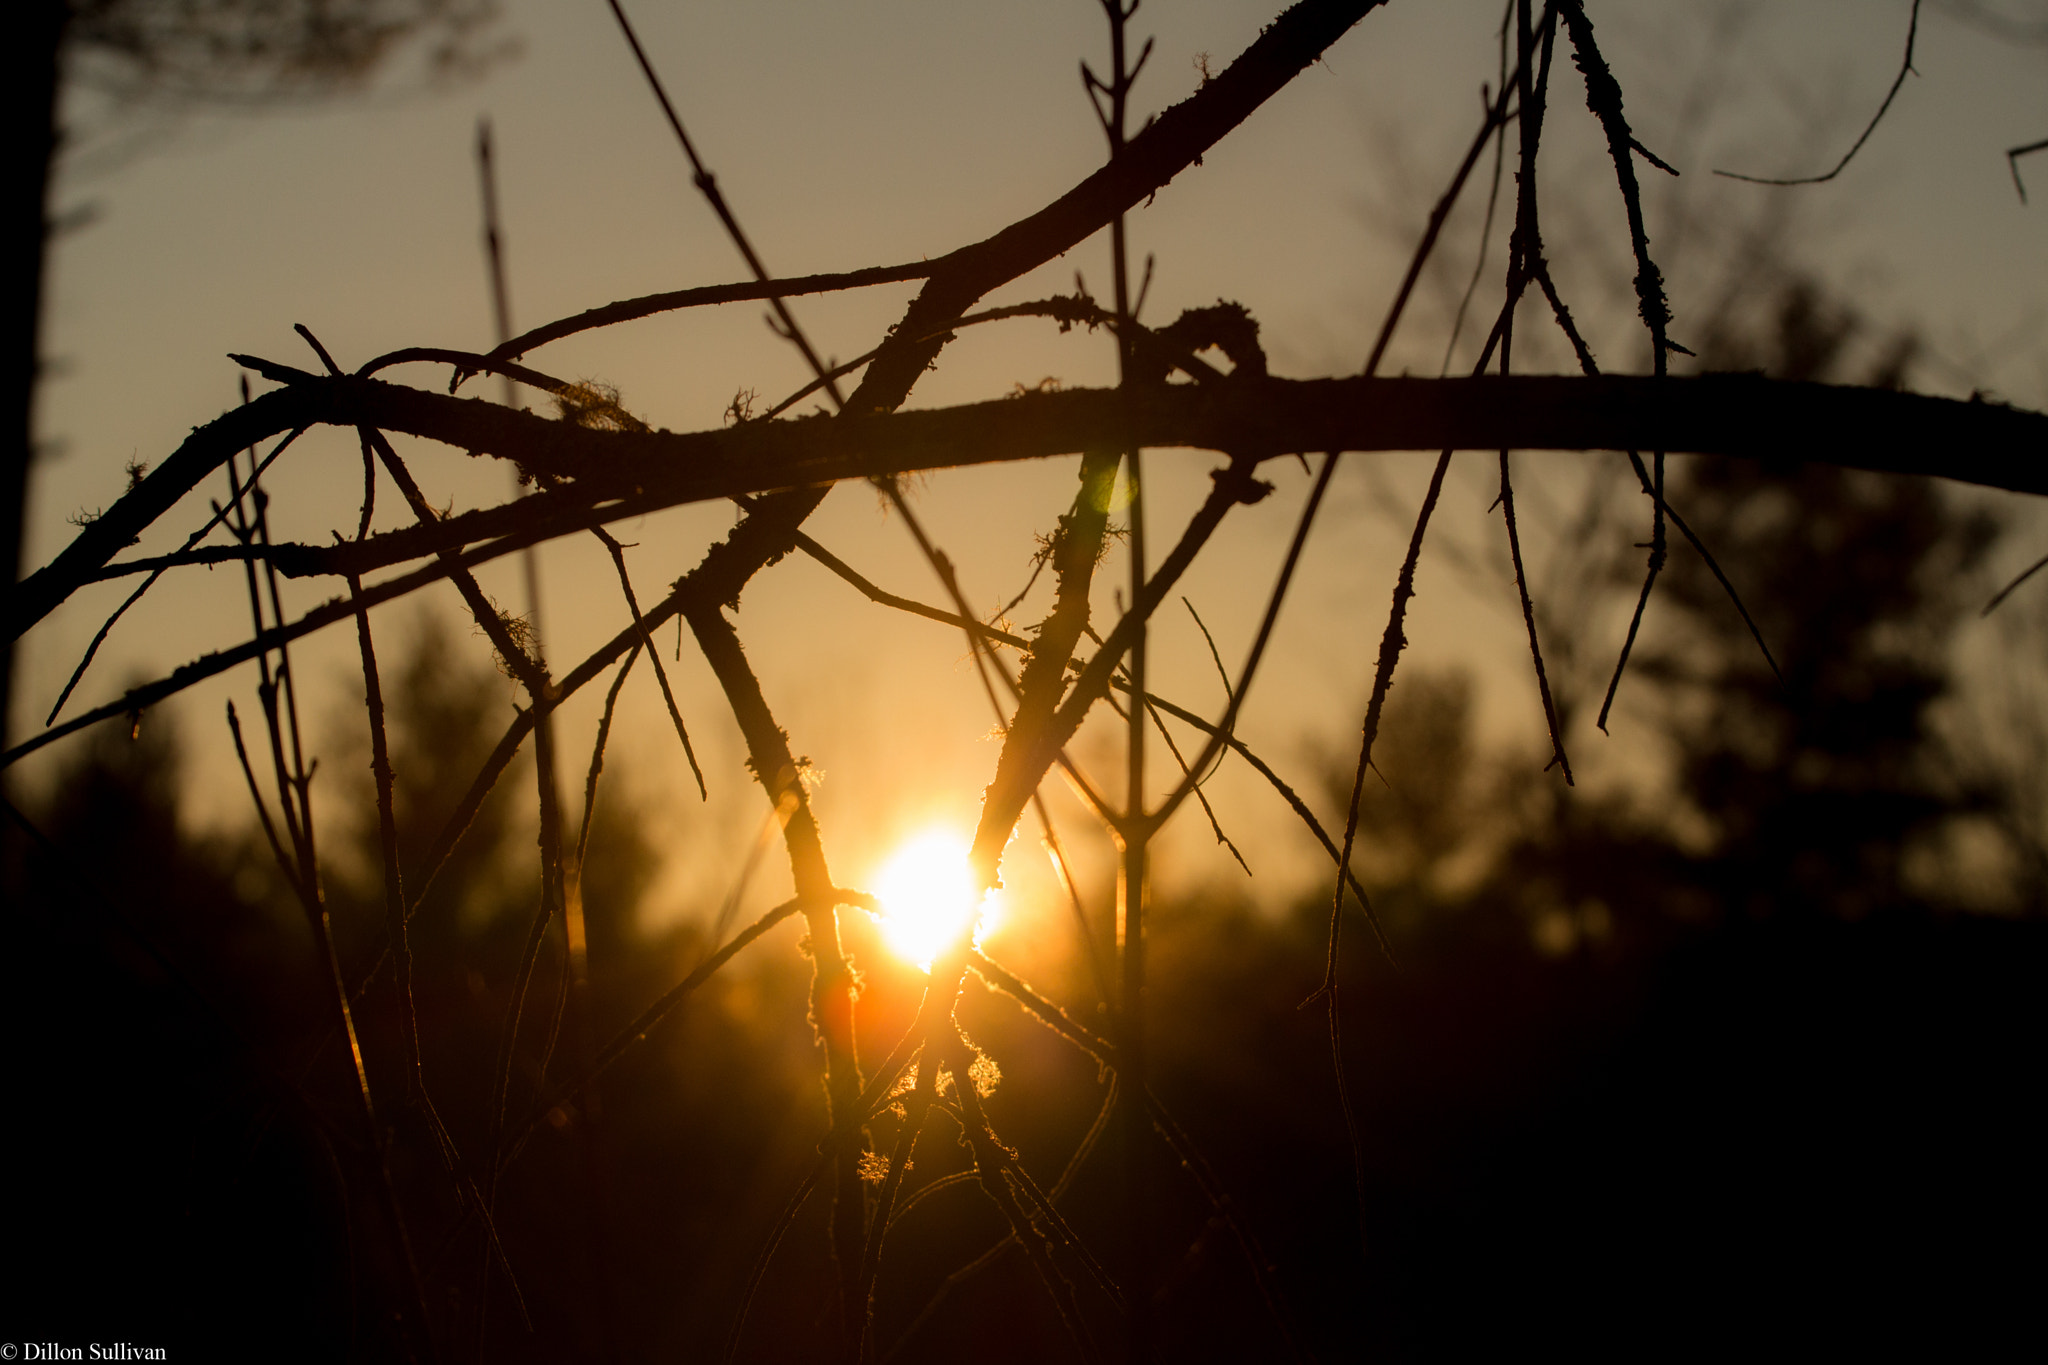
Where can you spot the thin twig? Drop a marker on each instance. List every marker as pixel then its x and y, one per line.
pixel 644 1024
pixel 1713 564
pixel 387 847
pixel 1202 797
pixel 157 571
pixel 1222 674
pixel 882 597
pixel 1090 953
pixel 284 862
pixel 629 310
pixel 1507 507
pixel 1500 147
pixel 618 553
pixel 707 184
pixel 2007 590
pixel 2012 162
pixel 1213 749
pixel 1431 230
pixel 1392 641
pixel 1905 69
pixel 776 1231
pixel 1635 621
pixel 597 746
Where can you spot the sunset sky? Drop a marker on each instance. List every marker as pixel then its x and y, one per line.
pixel 853 135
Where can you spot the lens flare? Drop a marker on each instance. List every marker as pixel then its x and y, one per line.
pixel 927 896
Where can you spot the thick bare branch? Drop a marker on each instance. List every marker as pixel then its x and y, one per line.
pixel 623 474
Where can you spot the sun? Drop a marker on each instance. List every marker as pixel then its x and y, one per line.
pixel 927 896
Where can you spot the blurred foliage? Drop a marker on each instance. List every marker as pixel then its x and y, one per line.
pixel 194 1101
pixel 260 51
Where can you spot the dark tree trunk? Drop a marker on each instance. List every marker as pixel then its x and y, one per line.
pixel 30 120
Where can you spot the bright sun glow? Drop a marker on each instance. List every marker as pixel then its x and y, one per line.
pixel 927 897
